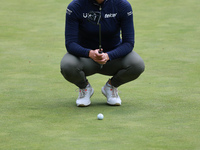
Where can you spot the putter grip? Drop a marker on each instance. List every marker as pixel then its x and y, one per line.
pixel 100 52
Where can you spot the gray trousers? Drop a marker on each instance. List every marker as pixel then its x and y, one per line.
pixel 123 70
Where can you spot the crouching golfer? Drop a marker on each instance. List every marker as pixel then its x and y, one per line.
pixel 90 25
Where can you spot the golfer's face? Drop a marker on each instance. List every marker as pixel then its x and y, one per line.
pixel 99 1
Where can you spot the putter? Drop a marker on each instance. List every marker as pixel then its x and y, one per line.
pixel 94 17
pixel 100 31
pixel 100 38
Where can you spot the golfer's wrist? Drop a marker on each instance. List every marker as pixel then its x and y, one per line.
pixel 89 53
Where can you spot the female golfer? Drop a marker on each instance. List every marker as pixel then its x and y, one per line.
pixel 99 38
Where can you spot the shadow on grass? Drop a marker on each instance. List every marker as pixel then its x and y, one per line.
pixel 65 103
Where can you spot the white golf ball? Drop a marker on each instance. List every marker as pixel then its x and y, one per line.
pixel 100 116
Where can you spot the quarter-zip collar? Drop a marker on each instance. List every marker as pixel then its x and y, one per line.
pixel 97 4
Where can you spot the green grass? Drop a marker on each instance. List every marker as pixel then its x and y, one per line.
pixel 160 110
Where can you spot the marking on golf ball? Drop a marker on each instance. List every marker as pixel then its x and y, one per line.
pixel 100 116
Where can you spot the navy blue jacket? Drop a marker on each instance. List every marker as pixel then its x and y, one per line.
pixel 81 36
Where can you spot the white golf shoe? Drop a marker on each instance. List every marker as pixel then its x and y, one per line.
pixel 111 93
pixel 83 99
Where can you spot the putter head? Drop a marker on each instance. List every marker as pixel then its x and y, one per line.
pixel 94 17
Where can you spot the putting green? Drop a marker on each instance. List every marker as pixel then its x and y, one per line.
pixel 160 110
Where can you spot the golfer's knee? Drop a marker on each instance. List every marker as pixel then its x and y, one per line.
pixel 141 67
pixel 137 66
pixel 64 68
pixel 67 67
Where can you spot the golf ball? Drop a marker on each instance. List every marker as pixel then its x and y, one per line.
pixel 100 116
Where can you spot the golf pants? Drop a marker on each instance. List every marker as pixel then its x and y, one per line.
pixel 123 70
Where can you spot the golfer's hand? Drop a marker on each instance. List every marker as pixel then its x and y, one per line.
pixel 97 57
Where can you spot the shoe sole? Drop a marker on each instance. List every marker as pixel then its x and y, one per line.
pixel 103 92
pixel 116 104
pixel 82 105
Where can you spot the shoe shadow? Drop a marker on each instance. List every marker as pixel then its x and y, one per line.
pixel 98 104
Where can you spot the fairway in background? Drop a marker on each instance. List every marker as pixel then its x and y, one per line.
pixel 160 110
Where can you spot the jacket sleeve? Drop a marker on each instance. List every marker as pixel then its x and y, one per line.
pixel 72 31
pixel 127 29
